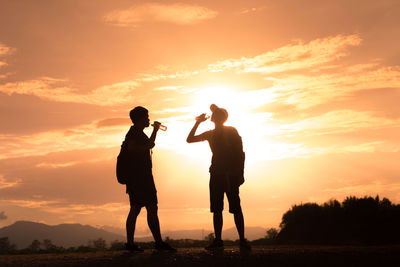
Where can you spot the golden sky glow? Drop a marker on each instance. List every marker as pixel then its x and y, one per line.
pixel 313 87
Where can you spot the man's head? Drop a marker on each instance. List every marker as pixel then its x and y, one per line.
pixel 140 116
pixel 219 115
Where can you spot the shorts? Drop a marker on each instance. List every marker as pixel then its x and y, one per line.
pixel 219 184
pixel 142 191
pixel 143 199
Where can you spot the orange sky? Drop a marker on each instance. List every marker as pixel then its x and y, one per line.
pixel 312 86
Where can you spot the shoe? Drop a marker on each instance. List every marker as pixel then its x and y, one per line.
pixel 163 246
pixel 244 244
pixel 216 244
pixel 133 248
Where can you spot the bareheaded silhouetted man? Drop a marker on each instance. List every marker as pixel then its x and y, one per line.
pixel 226 172
pixel 140 183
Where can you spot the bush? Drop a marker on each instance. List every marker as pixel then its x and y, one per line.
pixel 5 246
pixel 364 220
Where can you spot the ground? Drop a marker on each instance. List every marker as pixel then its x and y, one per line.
pixel 231 256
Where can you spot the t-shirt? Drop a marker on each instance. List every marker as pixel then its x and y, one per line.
pixel 141 166
pixel 227 152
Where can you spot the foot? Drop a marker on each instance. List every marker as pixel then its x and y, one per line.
pixel 133 248
pixel 216 244
pixel 244 244
pixel 163 246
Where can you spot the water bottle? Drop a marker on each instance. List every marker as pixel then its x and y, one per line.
pixel 162 127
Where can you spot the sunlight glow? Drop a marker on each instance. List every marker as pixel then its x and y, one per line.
pixel 253 126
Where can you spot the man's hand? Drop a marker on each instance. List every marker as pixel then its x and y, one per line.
pixel 202 117
pixel 156 125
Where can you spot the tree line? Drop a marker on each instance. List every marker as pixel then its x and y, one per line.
pixel 47 246
pixel 366 220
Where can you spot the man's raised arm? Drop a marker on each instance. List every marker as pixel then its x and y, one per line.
pixel 196 138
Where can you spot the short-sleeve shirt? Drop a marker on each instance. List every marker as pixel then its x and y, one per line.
pixel 141 167
pixel 227 152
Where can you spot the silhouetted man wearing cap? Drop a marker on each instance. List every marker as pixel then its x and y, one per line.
pixel 226 171
pixel 140 185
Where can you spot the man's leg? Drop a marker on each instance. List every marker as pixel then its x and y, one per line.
pixel 236 209
pixel 239 221
pixel 218 221
pixel 153 222
pixel 216 204
pixel 131 223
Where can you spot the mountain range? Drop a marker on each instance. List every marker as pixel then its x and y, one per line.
pixel 22 233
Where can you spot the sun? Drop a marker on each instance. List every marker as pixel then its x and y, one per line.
pixel 240 110
pixel 252 125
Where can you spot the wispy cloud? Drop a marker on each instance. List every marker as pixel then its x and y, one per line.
pixel 62 207
pixel 301 76
pixel 177 13
pixel 4 51
pixel 374 188
pixel 5 184
pixel 339 121
pixel 292 57
pixel 113 122
pixel 169 88
pixel 305 91
pixel 87 136
pixel 57 90
pixel 252 10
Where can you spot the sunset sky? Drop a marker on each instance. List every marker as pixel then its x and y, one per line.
pixel 313 88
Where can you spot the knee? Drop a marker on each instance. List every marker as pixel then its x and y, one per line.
pixel 152 210
pixel 237 212
pixel 218 213
pixel 134 211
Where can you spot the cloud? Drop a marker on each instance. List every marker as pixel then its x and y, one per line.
pixel 339 121
pixel 3 216
pixel 57 90
pixel 320 80
pixel 292 57
pixel 306 91
pixel 252 10
pixel 375 187
pixel 113 122
pixel 88 136
pixel 178 13
pixel 169 88
pixel 6 184
pixel 4 51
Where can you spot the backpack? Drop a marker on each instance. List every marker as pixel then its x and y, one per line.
pixel 123 164
pixel 237 155
pixel 234 154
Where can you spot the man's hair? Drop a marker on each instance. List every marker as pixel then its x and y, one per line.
pixel 137 113
pixel 219 113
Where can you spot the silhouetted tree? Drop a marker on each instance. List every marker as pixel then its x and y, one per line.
pixel 34 246
pixel 49 246
pixel 117 245
pixel 5 246
pixel 272 233
pixel 355 220
pixel 99 244
pixel 210 237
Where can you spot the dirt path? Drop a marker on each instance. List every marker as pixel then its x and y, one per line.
pixel 231 256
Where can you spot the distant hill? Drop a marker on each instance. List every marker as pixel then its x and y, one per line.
pixel 22 233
